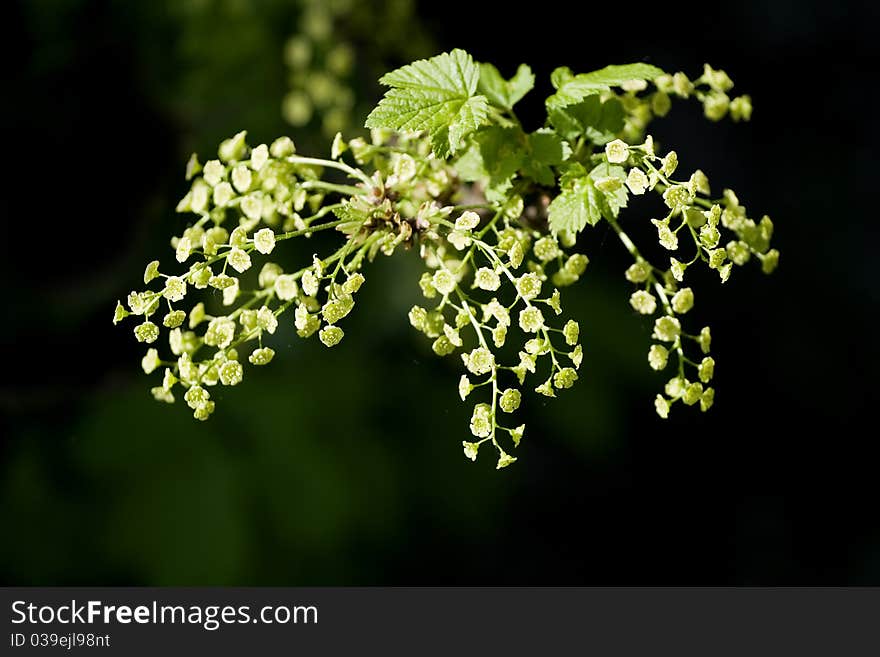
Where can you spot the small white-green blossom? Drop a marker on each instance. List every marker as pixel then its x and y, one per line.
pixel 231 373
pixel 266 319
pixel 528 286
pixel 643 302
pixel 331 335
pixel 443 281
pixel 264 240
pixel 617 151
pixel 261 356
pixel 479 361
pixel 667 329
pixel 683 300
pixel 464 387
pixel 285 287
pixel 239 260
pixel 531 320
pixel 467 221
pixel 510 400
pixel 658 356
pixel 707 369
pixel 309 283
pixel 486 279
pixel 637 181
pixel 565 378
pixel 150 361
pixel 571 331
pixel 146 332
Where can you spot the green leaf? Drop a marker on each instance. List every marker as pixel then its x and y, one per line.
pixel 547 149
pixel 576 207
pixel 571 90
pixel 437 95
pixel 494 156
pixel 611 204
pixel 598 121
pixel 581 203
pixel 505 93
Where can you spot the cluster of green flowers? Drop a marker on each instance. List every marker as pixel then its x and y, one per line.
pixel 702 219
pixel 323 62
pixel 491 283
pixel 247 201
pixel 494 213
pixel 711 89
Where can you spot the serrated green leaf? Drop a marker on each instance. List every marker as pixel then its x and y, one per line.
pixel 597 120
pixel 575 207
pixel 547 149
pixel 505 93
pixel 437 95
pixel 571 90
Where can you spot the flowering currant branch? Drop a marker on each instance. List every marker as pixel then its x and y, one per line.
pixel 494 213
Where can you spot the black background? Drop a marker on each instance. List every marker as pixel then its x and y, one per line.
pixel 353 474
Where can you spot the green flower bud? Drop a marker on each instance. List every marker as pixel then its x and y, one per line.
pixel 707 369
pixel 516 254
pixel 282 147
pixel 661 405
pixel 464 387
pixel 504 460
pixel 577 356
pixel 692 393
pixel 669 163
pixel 707 399
pixel 470 450
pixel 150 362
pixel 119 313
pixel 353 283
pixel 571 331
pixel 741 108
pixel 769 261
pixel 151 272
pixel 715 106
pixel 233 148
pixel 223 194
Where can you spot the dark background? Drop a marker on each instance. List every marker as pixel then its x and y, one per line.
pixel 344 466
